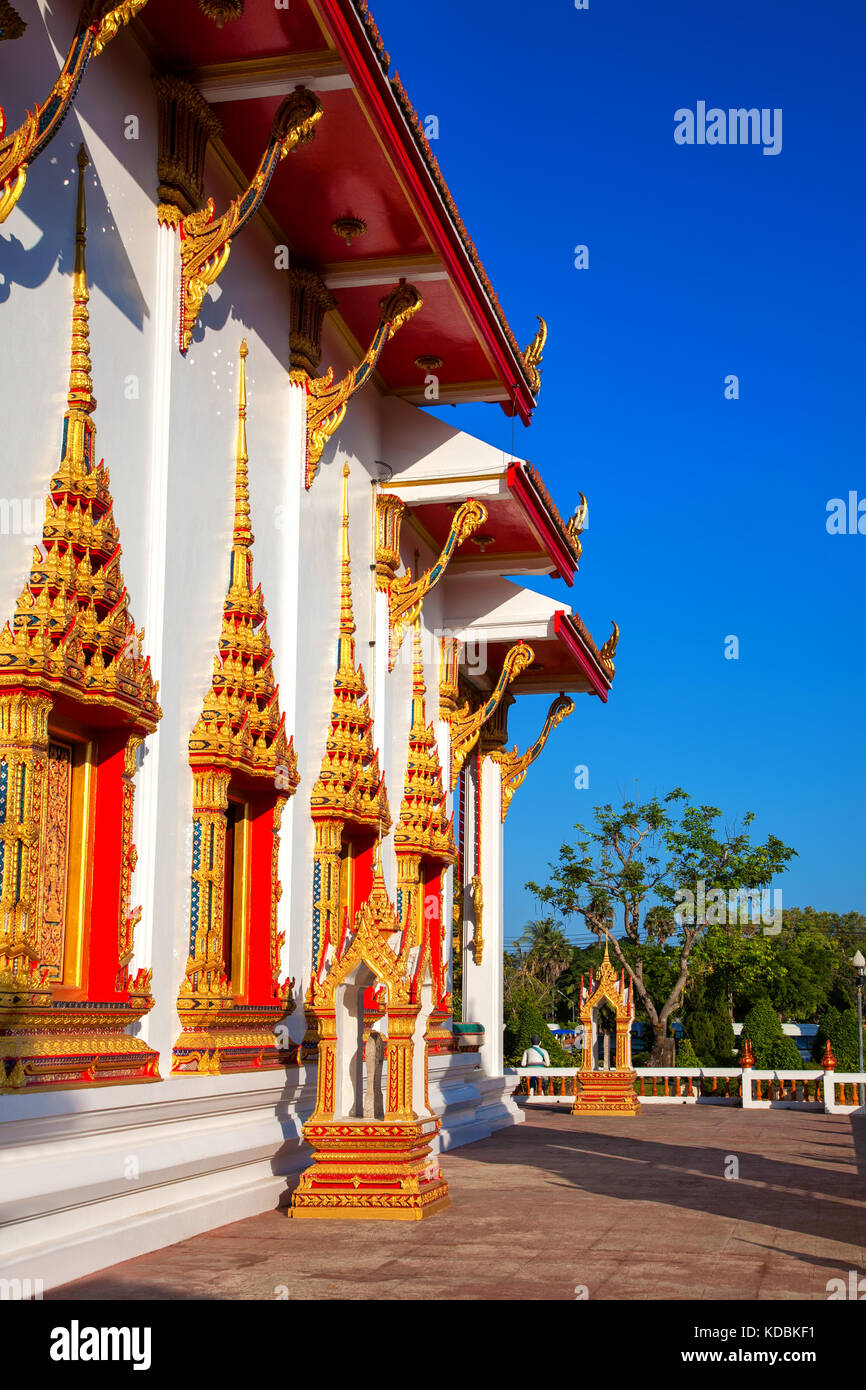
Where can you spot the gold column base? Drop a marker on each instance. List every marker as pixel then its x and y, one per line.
pixel 371 1170
pixel 216 1042
pixel 67 1045
pixel 606 1092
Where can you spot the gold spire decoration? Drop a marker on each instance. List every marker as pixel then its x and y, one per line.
pixel 424 826
pixel 240 726
pixel 241 735
pixel 72 624
pixel 80 399
pixel 350 790
pixel 72 643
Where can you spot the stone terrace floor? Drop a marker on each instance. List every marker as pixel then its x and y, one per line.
pixel 629 1208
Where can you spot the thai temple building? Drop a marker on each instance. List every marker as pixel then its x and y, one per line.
pixel 262 618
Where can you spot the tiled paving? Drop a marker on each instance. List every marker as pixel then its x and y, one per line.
pixel 629 1208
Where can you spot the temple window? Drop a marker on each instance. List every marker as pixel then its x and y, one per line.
pixel 243 770
pixel 77 700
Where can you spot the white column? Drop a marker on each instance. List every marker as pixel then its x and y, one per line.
pixel 296 955
pixel 145 819
pixel 482 984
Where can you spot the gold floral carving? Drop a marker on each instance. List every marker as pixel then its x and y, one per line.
pixel 532 356
pixel 186 123
pixel 478 912
pixel 310 301
pixel 328 400
pixel 466 723
pixel 206 241
pixel 407 594
pixel 96 27
pixel 514 766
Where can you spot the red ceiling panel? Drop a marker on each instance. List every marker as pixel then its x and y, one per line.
pixel 341 171
pixel 185 35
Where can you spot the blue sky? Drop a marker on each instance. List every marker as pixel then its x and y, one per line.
pixel 707 516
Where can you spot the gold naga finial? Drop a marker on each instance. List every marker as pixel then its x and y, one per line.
pixel 243 536
pixel 327 400
pixel 514 766
pixel 607 652
pixel 406 593
pixel 466 724
pixel 575 524
pixel 533 354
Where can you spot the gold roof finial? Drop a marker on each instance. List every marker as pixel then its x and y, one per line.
pixel 347 619
pixel 79 428
pixel 419 689
pixel 243 536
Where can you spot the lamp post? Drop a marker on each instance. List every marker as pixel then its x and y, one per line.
pixel 859 964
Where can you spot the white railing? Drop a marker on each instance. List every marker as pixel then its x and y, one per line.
pixel 835 1093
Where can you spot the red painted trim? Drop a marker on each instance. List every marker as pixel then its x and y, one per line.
pixel 105 881
pixel 576 647
pixel 348 35
pixel 260 983
pixel 541 522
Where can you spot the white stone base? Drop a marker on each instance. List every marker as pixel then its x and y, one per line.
pixel 92 1177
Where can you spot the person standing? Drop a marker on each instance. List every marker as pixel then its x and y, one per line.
pixel 535 1056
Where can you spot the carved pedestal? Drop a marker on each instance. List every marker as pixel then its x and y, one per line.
pixel 611 1091
pixel 379 1170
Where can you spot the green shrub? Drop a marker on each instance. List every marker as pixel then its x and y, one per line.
pixel 844 1042
pixel 828 1027
pixel 707 1021
pixel 686 1055
pixel 772 1048
pixel 525 1019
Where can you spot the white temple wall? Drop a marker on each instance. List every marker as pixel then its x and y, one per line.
pixel 125 1169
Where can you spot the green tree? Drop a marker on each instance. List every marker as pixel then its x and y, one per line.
pixel 772 1048
pixel 522 1021
pixel 548 952
pixel 636 863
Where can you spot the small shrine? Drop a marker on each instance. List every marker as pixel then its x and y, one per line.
pixel 605 1083
pixel 371 1131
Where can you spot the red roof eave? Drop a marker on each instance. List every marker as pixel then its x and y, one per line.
pixel 540 521
pixel 570 638
pixel 347 33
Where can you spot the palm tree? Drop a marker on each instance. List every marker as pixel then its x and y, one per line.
pixel 549 951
